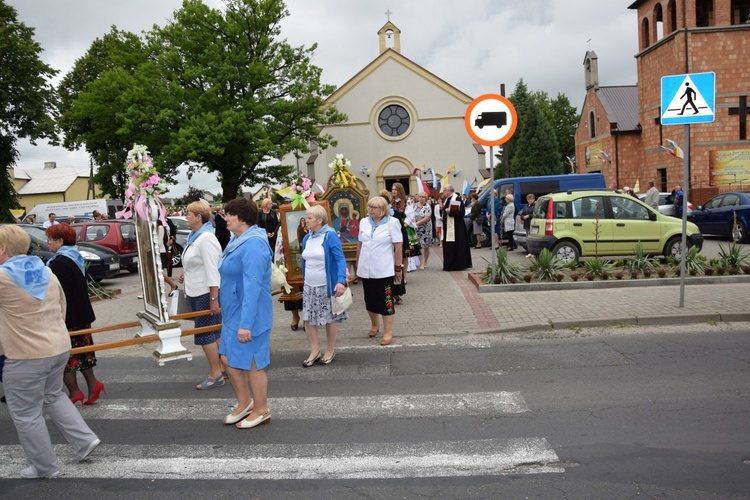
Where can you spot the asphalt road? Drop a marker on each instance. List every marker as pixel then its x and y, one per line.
pixel 619 415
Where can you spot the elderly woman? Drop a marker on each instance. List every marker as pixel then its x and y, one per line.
pixel 508 221
pixel 35 340
pixel 67 264
pixel 324 272
pixel 423 214
pixel 200 274
pixel 379 240
pixel 245 269
pixel 268 220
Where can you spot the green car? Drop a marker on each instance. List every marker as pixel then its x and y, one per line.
pixel 578 224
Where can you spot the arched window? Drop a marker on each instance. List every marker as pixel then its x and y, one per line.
pixel 659 20
pixel 740 11
pixel 645 35
pixel 704 13
pixel 592 125
pixel 672 15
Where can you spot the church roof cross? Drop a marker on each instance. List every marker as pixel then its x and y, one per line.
pixel 388 13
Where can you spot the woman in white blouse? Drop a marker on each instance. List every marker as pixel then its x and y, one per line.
pixel 200 274
pixel 379 239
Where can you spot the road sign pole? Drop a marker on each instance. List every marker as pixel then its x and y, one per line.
pixel 492 215
pixel 685 182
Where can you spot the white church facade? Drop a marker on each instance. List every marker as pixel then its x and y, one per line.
pixel 401 117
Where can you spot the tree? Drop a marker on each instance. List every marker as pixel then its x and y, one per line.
pixel 217 90
pixel 193 194
pixel 92 106
pixel 27 99
pixel 563 118
pixel 536 150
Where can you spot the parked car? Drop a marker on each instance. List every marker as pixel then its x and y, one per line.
pixel 578 224
pixel 117 235
pixel 101 263
pixel 182 229
pixel 717 215
pixel 666 203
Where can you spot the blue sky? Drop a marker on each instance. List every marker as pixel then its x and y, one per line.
pixel 475 45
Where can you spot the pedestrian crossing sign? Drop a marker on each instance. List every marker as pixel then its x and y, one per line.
pixel 687 99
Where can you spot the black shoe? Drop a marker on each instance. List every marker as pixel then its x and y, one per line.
pixel 2 400
pixel 307 364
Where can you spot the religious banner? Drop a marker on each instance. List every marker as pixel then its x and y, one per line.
pixel 729 168
pixel 347 196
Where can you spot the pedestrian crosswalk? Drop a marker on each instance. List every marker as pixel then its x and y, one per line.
pixel 185 439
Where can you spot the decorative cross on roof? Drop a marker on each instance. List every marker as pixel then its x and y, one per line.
pixel 388 13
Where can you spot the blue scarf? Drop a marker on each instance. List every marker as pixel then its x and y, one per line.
pixel 71 252
pixel 29 273
pixel 237 241
pixel 207 227
pixel 374 226
pixel 322 231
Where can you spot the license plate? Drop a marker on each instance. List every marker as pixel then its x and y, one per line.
pixel 534 230
pixel 114 266
pixel 135 260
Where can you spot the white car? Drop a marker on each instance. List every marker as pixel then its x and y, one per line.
pixel 182 229
pixel 666 203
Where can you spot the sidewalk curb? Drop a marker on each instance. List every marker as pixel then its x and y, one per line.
pixel 672 319
pixel 546 286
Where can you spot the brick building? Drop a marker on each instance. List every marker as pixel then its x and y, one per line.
pixel 674 37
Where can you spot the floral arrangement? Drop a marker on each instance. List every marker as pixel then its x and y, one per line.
pixel 341 175
pixel 145 185
pixel 301 192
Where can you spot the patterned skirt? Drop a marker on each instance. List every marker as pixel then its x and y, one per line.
pixel 316 307
pixel 83 361
pixel 201 303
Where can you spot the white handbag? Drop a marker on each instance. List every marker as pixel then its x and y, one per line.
pixel 339 305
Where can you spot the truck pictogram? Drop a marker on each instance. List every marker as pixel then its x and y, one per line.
pixel 491 118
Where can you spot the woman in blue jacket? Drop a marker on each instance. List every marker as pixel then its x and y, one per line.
pixel 324 272
pixel 245 299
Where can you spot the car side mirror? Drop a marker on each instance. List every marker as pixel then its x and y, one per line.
pixel 700 207
pixel 652 215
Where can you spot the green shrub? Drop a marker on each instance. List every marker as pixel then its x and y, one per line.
pixel 546 265
pixel 595 267
pixel 506 272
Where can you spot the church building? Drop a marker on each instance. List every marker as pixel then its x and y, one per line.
pixel 620 132
pixel 402 121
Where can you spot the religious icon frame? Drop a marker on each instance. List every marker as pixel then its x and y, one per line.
pixel 354 198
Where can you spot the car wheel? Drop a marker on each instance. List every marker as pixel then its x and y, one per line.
pixel 177 260
pixel 740 233
pixel 567 252
pixel 673 248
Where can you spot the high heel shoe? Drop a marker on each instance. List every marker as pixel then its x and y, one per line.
pixel 264 418
pixel 386 340
pixel 78 398
pixel 98 388
pixel 309 362
pixel 324 361
pixel 233 419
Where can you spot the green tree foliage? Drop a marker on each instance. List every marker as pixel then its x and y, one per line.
pixel 536 150
pixel 193 194
pixel 214 89
pixel 564 118
pixel 94 97
pixel 27 101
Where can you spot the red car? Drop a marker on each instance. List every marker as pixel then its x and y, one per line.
pixel 117 235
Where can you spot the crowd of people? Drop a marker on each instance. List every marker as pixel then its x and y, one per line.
pixel 227 262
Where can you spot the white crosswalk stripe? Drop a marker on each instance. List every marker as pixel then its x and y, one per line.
pixel 392 406
pixel 312 461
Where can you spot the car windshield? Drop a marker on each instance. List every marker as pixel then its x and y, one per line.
pixel 37 232
pixel 179 223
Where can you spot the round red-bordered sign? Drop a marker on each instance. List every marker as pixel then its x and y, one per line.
pixel 491 119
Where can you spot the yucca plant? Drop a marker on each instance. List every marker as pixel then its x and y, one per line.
pixel 546 265
pixel 733 256
pixel 506 272
pixel 694 262
pixel 595 267
pixel 640 261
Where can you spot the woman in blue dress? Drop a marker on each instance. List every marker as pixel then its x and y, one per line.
pixel 245 297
